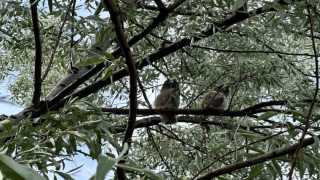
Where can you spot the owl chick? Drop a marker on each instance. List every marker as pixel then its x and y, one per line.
pixel 216 99
pixel 169 98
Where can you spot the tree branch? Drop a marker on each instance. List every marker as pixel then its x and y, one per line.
pixel 257 160
pixel 58 41
pixel 133 104
pixel 161 157
pixel 305 131
pixel 178 12
pixel 160 5
pixel 245 112
pixel 175 137
pixel 144 93
pixel 38 53
pixel 252 51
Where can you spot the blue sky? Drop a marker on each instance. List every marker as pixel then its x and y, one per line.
pixel 6 107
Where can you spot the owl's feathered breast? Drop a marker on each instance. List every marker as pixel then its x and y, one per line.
pixel 168 98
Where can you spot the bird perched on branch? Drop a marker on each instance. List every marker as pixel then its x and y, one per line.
pixel 169 98
pixel 216 99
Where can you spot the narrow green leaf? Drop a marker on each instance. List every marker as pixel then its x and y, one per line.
pixel 218 148
pixel 108 55
pixel 255 171
pixel 288 1
pixel 279 7
pixel 93 106
pixel 124 150
pixel 55 13
pixel 95 18
pixel 198 161
pixel 5 134
pixel 250 134
pixel 302 104
pixel 271 170
pixel 92 122
pixel 108 73
pixel 131 167
pixel 299 113
pixel 237 4
pixel 316 143
pixel 56 164
pixel 301 166
pixel 105 164
pixel 77 133
pixel 277 167
pixel 313 2
pixel 13 170
pixel 267 115
pixel 270 18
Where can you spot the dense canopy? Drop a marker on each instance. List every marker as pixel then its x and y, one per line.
pixel 87 73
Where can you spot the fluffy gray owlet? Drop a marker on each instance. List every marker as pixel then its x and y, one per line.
pixel 216 99
pixel 169 98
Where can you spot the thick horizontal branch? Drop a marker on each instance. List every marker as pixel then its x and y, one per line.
pixel 257 160
pixel 151 121
pixel 245 112
pixel 181 111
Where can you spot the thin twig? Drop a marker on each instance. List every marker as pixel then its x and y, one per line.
pixel 235 90
pixel 57 42
pixel 144 93
pixel 175 137
pixel 297 151
pixel 206 89
pixel 161 157
pixel 194 58
pixel 72 33
pixel 252 51
pixel 176 12
pixel 187 68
